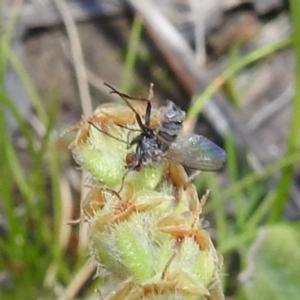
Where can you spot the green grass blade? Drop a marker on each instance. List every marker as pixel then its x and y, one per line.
pixel 50 122
pixel 248 59
pixel 263 174
pixel 7 245
pixel 217 204
pixel 294 128
pixel 131 54
pixel 232 169
pixel 35 99
pixel 22 124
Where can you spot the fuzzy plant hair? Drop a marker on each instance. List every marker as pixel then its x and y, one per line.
pixel 145 229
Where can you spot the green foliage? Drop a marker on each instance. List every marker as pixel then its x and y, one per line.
pixel 254 203
pixel 30 195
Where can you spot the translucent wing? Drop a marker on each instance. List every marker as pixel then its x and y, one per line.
pixel 197 152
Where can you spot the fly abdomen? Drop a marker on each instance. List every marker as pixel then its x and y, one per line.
pixel 171 118
pixel 168 132
pixel 171 127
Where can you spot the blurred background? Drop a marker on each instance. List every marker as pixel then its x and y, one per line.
pixel 232 65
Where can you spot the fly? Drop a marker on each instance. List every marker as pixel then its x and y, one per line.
pixel 164 140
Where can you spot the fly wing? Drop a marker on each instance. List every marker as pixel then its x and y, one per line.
pixel 197 152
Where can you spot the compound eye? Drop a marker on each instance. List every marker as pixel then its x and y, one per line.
pixel 131 159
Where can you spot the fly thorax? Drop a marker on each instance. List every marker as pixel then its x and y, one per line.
pixel 151 151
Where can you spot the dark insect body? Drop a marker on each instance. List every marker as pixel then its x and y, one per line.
pixel 154 141
pixel 163 140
